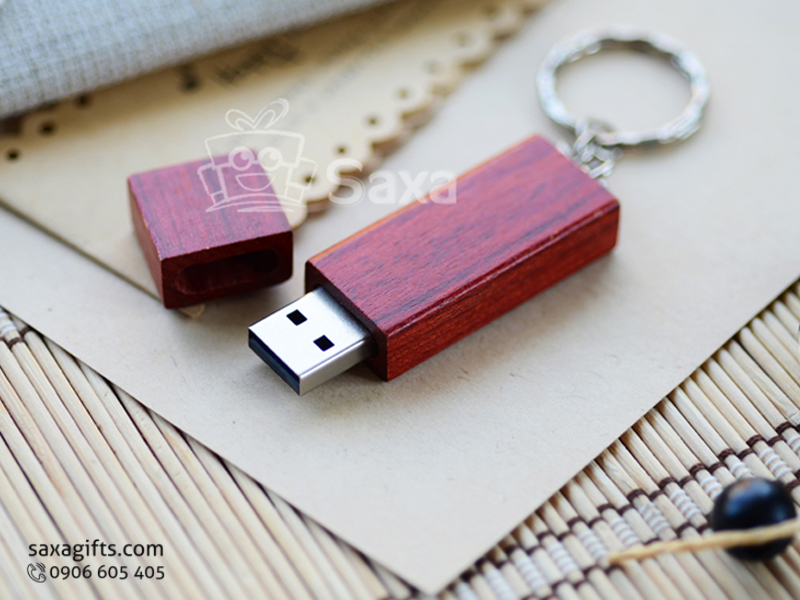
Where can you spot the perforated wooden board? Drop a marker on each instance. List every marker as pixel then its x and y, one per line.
pixel 745 269
pixel 354 88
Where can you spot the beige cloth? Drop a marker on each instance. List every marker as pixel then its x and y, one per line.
pixel 52 50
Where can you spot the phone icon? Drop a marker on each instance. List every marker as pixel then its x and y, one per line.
pixel 36 571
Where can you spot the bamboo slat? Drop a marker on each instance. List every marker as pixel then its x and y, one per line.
pixel 80 459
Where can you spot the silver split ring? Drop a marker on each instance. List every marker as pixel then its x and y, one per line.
pixel 625 37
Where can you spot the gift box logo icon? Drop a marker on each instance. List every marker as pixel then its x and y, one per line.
pixel 255 168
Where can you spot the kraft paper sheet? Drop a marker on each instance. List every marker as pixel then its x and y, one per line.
pixel 486 431
pixel 327 100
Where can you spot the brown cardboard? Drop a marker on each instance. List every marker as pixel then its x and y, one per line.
pixel 425 473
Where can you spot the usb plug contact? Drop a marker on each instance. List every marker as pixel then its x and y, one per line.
pixel 433 272
pixel 311 340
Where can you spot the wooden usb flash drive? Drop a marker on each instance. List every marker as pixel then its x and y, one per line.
pixel 210 229
pixel 407 287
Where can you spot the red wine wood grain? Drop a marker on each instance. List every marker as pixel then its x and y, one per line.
pixel 196 254
pixel 432 273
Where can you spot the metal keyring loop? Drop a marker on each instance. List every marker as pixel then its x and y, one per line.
pixel 594 40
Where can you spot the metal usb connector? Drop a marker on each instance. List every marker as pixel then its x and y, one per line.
pixel 432 273
pixel 311 340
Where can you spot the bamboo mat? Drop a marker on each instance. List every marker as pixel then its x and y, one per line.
pixel 82 460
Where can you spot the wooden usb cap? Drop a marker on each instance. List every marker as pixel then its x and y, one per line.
pixel 209 229
pixel 432 273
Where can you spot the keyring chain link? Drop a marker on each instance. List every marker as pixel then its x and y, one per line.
pixel 595 159
pixel 597 146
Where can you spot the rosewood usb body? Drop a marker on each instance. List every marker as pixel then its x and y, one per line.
pixel 432 273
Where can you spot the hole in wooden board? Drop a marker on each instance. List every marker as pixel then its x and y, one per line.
pixel 12 155
pixel 11 126
pixel 250 268
pixel 190 84
pixel 432 66
pixel 47 128
pixel 189 80
pixel 83 100
pixel 464 39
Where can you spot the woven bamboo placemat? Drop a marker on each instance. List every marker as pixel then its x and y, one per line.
pixel 81 460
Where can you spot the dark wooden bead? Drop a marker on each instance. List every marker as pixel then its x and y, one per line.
pixel 433 272
pixel 206 234
pixel 750 503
